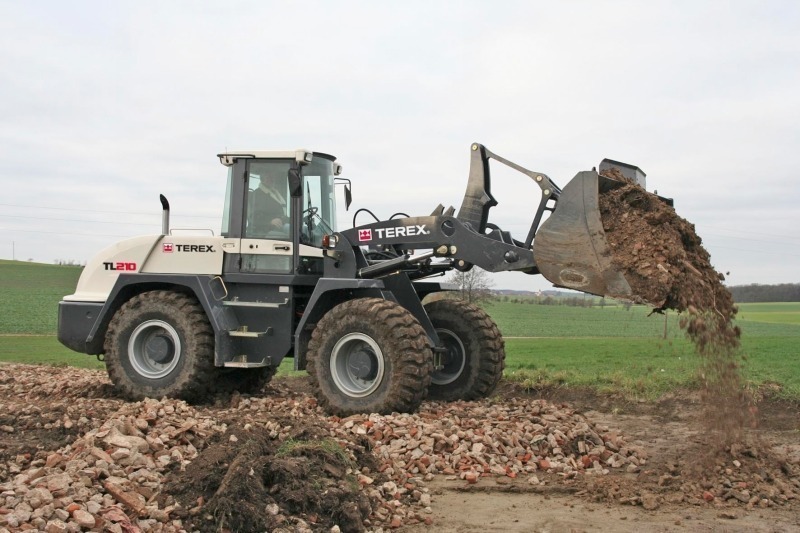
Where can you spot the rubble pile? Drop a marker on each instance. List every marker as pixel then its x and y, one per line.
pixel 514 438
pixel 107 463
pixel 72 461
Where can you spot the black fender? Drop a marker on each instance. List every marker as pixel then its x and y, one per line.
pixel 129 285
pixel 330 292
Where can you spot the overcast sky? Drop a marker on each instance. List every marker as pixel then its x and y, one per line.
pixel 105 105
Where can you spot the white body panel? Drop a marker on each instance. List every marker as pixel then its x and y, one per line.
pixel 272 247
pixel 189 254
pixel 98 277
pixel 169 254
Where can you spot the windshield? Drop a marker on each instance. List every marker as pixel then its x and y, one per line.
pixel 319 201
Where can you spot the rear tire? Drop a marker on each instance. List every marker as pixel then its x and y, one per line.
pixel 369 355
pixel 160 343
pixel 475 357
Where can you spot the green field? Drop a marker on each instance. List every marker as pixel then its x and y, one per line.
pixel 609 348
pixel 614 349
pixel 29 294
pixel 773 313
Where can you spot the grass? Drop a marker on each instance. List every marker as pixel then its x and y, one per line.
pixel 29 295
pixel 644 368
pixel 295 448
pixel 612 349
pixel 634 367
pixel 43 349
pixel 324 450
pixel 530 320
pixel 773 313
pixel 607 348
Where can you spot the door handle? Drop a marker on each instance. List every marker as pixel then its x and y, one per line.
pixel 282 247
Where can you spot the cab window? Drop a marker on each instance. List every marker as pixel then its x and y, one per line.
pixel 268 208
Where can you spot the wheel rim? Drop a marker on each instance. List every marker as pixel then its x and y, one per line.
pixel 154 349
pixel 357 365
pixel 454 358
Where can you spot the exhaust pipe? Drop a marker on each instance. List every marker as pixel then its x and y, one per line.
pixel 164 214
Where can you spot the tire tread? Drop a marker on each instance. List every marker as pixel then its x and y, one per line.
pixel 407 344
pixel 197 377
pixel 490 344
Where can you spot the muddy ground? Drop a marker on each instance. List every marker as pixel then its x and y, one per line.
pixel 262 463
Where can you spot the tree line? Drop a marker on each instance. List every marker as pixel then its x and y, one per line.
pixel 783 292
pixel 475 286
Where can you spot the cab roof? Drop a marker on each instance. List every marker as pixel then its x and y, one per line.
pixel 302 156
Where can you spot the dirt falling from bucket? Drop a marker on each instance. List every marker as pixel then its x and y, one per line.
pixel 665 263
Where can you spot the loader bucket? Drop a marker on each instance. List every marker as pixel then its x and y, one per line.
pixel 570 247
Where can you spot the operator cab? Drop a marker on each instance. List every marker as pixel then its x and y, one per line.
pixel 261 209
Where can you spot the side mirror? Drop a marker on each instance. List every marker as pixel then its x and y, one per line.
pixel 348 195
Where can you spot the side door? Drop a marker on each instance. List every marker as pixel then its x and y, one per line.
pixel 266 245
pixel 258 265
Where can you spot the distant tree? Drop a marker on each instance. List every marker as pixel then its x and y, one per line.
pixel 65 262
pixel 474 286
pixel 784 292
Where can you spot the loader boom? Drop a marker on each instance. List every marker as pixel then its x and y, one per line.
pixel 569 248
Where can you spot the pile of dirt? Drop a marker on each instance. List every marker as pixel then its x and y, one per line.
pixel 666 265
pixel 250 479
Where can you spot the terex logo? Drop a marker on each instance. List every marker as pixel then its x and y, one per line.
pixel 364 235
pixel 168 247
pixel 194 248
pixel 401 231
pixel 120 265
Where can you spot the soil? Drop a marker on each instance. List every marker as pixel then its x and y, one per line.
pixel 666 265
pixel 280 464
pixel 660 253
pixel 250 480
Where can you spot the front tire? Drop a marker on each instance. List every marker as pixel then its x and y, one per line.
pixel 475 352
pixel 160 343
pixel 369 355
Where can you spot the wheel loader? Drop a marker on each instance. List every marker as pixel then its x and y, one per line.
pixel 186 315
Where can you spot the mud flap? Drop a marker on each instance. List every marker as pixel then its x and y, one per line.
pixel 570 247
